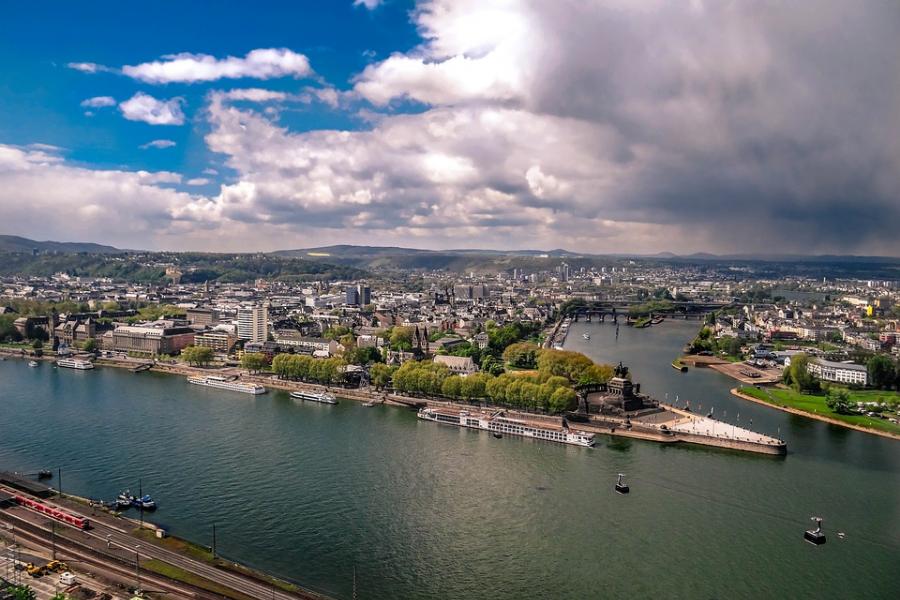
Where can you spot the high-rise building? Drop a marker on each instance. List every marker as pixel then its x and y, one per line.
pixel 365 295
pixel 253 323
pixel 358 295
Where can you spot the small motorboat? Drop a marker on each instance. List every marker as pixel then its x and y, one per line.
pixel 145 502
pixel 124 500
pixel 621 486
pixel 497 435
pixel 33 363
pixel 45 474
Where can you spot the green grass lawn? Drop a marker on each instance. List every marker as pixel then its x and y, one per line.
pixel 15 345
pixel 176 544
pixel 816 404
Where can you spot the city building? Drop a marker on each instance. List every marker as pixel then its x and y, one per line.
pixel 847 373
pixel 203 316
pixel 166 336
pixel 357 295
pixel 253 323
pixel 352 293
pixel 293 339
pixel 220 341
pixel 458 365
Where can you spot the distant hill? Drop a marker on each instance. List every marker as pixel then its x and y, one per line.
pixel 389 258
pixel 14 243
pixel 458 260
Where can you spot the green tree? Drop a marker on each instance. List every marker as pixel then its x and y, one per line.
pixel 8 329
pixel 491 365
pixel 380 375
pixel 452 386
pixel 37 344
pixel 401 338
pixel 254 361
pixel 199 356
pixel 363 356
pixel 838 400
pixel 881 372
pixel 336 332
pixel 22 592
pixel 522 355
pixel 90 345
pixel 798 375
pixel 562 399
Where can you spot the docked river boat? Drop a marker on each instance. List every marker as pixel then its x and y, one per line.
pixel 323 397
pixel 498 424
pixel 222 383
pixel 75 363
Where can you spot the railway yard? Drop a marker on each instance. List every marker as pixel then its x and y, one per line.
pixel 106 555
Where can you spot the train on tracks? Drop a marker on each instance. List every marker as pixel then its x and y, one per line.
pixel 53 513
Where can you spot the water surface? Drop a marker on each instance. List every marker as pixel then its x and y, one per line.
pixel 309 491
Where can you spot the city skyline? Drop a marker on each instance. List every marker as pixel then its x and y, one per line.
pixel 622 128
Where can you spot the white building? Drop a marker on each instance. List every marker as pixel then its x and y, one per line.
pixel 253 323
pixel 847 373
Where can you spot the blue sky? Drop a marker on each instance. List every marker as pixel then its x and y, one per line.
pixel 615 126
pixel 40 97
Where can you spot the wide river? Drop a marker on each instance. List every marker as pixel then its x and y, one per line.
pixel 420 510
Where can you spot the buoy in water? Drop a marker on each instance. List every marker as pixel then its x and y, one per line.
pixel 621 486
pixel 815 536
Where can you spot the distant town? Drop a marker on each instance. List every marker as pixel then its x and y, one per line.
pixel 475 340
pixel 763 316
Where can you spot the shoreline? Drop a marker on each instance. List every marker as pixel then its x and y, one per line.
pixel 796 411
pixel 382 397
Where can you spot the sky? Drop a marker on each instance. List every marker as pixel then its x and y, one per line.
pixel 612 126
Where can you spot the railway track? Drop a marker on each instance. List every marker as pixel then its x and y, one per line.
pixel 102 535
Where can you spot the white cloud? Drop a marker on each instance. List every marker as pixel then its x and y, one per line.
pixel 210 171
pixel 61 201
pixel 253 95
pixel 623 125
pixel 98 102
pixel 264 63
pixel 158 144
pixel 44 147
pixel 197 181
pixel 142 107
pixel 369 4
pixel 88 67
pixel 474 50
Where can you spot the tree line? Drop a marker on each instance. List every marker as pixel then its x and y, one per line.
pixel 298 367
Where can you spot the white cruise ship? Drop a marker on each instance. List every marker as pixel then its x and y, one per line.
pixel 323 397
pixel 75 363
pixel 224 384
pixel 499 425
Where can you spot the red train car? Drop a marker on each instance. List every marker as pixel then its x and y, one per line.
pixel 55 513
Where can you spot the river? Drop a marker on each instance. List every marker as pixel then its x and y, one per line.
pixel 420 510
